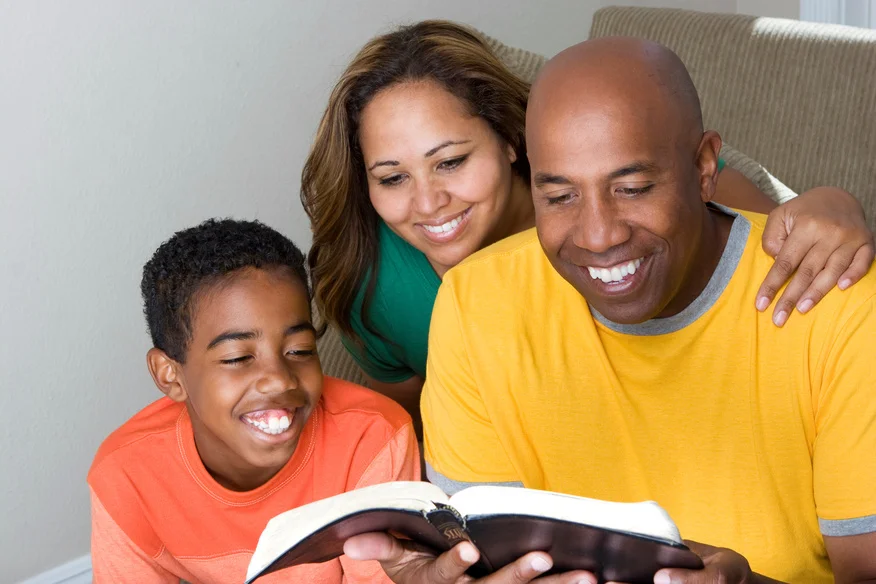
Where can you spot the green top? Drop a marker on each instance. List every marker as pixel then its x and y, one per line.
pixel 400 311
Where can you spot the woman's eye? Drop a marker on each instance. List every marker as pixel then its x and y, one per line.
pixel 235 360
pixel 302 352
pixel 633 191
pixel 391 181
pixel 452 163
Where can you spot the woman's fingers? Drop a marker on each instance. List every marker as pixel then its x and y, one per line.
pixel 860 265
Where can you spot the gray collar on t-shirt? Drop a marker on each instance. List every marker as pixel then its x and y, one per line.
pixel 710 294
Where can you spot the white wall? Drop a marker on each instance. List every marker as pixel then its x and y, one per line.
pixel 121 122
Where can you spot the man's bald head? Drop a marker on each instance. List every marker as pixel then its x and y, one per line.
pixel 621 169
pixel 646 75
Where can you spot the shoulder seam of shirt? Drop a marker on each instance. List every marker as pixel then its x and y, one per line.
pixel 128 444
pixel 161 548
pixel 408 426
pixel 215 556
pixel 827 349
pixel 360 410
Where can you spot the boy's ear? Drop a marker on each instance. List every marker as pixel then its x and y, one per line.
pixel 166 375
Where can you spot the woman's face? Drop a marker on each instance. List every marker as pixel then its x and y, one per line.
pixel 439 177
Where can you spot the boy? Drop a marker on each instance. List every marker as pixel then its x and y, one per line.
pixel 249 426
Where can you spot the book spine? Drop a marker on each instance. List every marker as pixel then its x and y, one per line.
pixel 451 525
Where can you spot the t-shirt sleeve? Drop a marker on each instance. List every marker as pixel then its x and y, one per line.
pixel 398 460
pixel 115 558
pixel 461 444
pixel 844 457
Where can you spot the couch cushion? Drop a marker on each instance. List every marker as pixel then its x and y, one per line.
pixel 798 97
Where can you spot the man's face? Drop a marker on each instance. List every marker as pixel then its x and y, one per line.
pixel 618 203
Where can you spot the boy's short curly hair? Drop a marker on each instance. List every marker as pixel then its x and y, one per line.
pixel 200 256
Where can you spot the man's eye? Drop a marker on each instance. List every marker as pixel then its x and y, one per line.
pixel 633 191
pixel 559 199
pixel 302 352
pixel 235 360
pixel 452 163
pixel 391 181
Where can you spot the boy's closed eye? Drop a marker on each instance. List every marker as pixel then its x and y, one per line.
pixel 296 352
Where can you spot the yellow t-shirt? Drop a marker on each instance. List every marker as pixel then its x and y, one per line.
pixel 752 437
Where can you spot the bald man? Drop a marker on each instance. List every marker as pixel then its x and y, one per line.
pixel 611 352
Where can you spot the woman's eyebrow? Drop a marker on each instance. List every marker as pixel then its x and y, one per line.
pixel 444 145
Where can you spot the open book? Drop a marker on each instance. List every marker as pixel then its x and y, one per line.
pixel 626 542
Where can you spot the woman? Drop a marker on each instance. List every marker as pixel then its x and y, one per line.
pixel 420 161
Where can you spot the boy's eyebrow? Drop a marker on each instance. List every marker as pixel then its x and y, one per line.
pixel 300 328
pixel 233 336
pixel 249 335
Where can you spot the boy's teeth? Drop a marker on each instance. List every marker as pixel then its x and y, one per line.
pixel 615 273
pixel 269 424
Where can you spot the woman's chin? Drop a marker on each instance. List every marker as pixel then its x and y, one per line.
pixel 446 259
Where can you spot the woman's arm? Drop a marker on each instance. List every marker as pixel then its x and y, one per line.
pixel 736 191
pixel 407 394
pixel 819 238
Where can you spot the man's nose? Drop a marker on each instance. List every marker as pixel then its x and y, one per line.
pixel 600 226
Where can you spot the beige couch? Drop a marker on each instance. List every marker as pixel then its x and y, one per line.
pixel 799 98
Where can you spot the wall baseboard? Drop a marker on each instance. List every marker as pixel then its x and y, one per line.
pixel 76 571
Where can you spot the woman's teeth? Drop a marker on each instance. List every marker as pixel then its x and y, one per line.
pixel 443 228
pixel 615 273
pixel 272 425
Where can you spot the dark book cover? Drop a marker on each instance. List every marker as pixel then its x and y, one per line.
pixel 501 539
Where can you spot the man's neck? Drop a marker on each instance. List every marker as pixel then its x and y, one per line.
pixel 710 248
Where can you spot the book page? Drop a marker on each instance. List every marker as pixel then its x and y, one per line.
pixel 287 529
pixel 645 518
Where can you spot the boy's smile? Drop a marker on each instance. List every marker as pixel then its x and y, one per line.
pixel 251 376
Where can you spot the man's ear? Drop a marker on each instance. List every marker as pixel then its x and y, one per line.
pixel 166 374
pixel 707 163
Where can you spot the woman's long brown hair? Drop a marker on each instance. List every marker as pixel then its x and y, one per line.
pixel 334 189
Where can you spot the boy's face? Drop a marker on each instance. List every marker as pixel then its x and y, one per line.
pixel 251 377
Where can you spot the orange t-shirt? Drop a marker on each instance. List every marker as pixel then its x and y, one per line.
pixel 158 515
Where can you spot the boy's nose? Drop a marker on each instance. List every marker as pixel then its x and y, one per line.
pixel 276 378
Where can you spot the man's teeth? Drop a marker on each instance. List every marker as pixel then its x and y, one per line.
pixel 615 273
pixel 274 425
pixel 443 228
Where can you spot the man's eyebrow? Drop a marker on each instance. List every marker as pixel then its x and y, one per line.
pixel 545 178
pixel 634 168
pixel 444 145
pixel 233 336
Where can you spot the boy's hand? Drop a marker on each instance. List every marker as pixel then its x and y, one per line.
pixel 407 563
